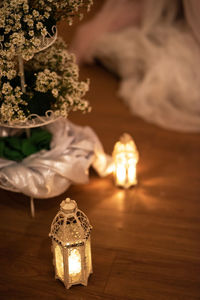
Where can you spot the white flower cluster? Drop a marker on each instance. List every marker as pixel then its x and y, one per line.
pixel 52 71
pixel 10 108
pixel 63 8
pixel 60 77
pixel 21 28
pixel 46 81
pixel 24 24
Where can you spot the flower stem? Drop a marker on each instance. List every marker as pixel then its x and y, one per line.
pixel 21 73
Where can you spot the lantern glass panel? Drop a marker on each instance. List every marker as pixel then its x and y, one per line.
pixel 132 178
pixel 88 256
pixel 59 261
pixel 120 169
pixel 74 265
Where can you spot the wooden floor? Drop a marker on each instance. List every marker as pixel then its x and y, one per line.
pixel 145 241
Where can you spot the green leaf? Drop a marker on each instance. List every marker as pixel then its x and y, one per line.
pixel 18 147
pixel 28 148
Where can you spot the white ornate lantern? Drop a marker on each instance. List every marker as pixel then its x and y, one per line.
pixel 70 233
pixel 125 156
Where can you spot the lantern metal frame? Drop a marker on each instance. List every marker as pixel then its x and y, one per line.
pixel 70 233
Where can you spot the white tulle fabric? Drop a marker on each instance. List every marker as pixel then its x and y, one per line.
pixel 158 62
pixel 113 16
pixel 49 173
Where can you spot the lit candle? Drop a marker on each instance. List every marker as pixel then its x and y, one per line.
pixel 74 262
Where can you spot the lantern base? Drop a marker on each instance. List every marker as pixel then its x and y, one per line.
pixel 127 185
pixel 67 286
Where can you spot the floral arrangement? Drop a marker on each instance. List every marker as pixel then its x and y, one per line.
pixel 24 22
pixel 51 84
pixel 33 82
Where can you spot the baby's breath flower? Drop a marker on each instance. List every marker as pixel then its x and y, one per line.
pixel 46 15
pixel 31 33
pixel 39 25
pixel 35 13
pixel 30 23
pixel 48 8
pixel 17 26
pixel 55 93
pixel 11 74
pixel 8 29
pixel 36 41
pixel 25 7
pixel 6 88
pixel 44 32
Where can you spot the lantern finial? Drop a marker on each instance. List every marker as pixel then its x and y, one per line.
pixel 125 138
pixel 68 205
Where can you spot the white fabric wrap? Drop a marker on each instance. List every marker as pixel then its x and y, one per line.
pixel 49 173
pixel 159 66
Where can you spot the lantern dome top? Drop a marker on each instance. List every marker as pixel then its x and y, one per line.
pixel 125 138
pixel 70 226
pixel 126 144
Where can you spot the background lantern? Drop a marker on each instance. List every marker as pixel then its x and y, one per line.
pixel 70 233
pixel 125 156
